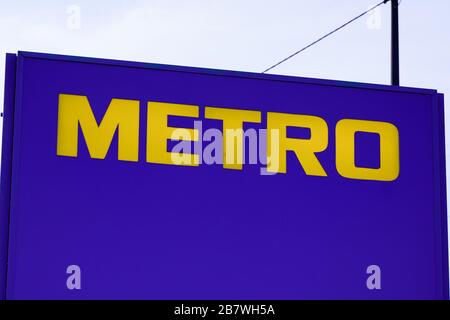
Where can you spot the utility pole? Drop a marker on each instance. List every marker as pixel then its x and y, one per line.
pixel 395 57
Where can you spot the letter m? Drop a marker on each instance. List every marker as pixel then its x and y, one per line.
pixel 75 112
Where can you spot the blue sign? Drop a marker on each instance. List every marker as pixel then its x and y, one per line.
pixel 126 180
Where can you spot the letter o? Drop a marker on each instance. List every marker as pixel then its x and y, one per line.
pixel 389 169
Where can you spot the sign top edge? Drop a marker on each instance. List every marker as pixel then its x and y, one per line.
pixel 222 72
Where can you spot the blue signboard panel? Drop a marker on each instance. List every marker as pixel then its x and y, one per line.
pixel 124 180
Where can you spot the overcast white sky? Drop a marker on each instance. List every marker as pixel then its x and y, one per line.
pixel 247 35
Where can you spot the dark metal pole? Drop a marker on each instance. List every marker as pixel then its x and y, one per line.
pixel 395 57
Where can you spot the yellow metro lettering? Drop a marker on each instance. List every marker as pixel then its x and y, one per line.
pixel 122 115
pixel 389 150
pixel 158 132
pixel 305 149
pixel 233 121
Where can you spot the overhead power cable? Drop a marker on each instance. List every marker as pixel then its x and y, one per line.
pixel 325 36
